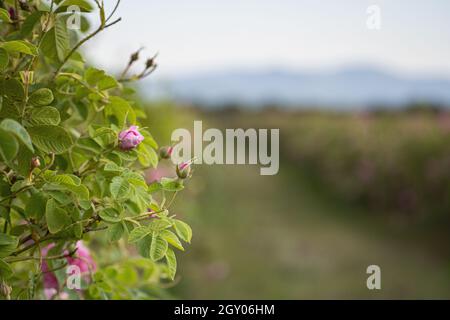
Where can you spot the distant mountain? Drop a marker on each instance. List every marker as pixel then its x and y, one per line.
pixel 347 88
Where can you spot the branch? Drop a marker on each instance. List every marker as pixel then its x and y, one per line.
pixel 79 44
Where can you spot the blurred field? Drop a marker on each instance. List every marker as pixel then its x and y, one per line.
pixel 352 190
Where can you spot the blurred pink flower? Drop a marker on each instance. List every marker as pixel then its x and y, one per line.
pixel 153 175
pixel 82 259
pixel 130 138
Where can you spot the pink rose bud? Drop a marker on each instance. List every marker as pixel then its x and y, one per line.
pixel 130 138
pixel 35 162
pixel 165 152
pixel 184 169
pixel 12 14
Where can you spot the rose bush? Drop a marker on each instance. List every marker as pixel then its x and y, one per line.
pixel 72 158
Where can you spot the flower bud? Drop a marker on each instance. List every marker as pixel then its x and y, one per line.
pixel 12 14
pixel 165 152
pixel 184 169
pixel 130 138
pixel 134 57
pixel 35 162
pixel 5 290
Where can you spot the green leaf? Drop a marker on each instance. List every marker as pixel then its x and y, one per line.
pixel 41 97
pixel 4 59
pixel 55 43
pixel 8 145
pixel 36 206
pixel 171 184
pixel 171 263
pixel 13 89
pixel 183 230
pixel 143 246
pixel 19 46
pixel 78 230
pixel 84 5
pixel 110 215
pixel 159 224
pixel 50 138
pixel 107 82
pixel 56 217
pixel 45 116
pixel 138 233
pixel 121 110
pixel 112 167
pixel 147 156
pixel 29 23
pixel 16 128
pixel 115 232
pixel 5 270
pixel 158 248
pixel 4 16
pixel 172 239
pixel 61 39
pixel 7 244
pixel 71 183
pixel 119 188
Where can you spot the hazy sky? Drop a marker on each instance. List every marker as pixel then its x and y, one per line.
pixel 200 35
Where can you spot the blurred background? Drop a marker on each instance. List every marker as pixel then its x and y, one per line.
pixel 363 111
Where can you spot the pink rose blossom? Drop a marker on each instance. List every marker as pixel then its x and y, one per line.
pixel 82 258
pixel 130 138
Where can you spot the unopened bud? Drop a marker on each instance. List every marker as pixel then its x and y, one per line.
pixel 165 152
pixel 151 62
pixel 35 162
pixel 183 170
pixel 12 14
pixel 134 57
pixel 5 290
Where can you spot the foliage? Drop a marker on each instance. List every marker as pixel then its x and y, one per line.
pixel 64 176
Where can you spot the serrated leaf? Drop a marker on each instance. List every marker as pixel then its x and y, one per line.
pixel 8 145
pixel 138 233
pixel 110 215
pixel 19 131
pixel 41 97
pixel 4 59
pixel 119 187
pixel 61 39
pixel 183 230
pixel 56 217
pixel 171 184
pixel 19 46
pixel 115 232
pixel 143 246
pixel 13 89
pixel 121 110
pixel 36 206
pixel 5 270
pixel 172 239
pixel 4 16
pixel 7 244
pixel 50 138
pixel 29 23
pixel 112 167
pixel 45 116
pixel 158 248
pixel 171 260
pixel 159 224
